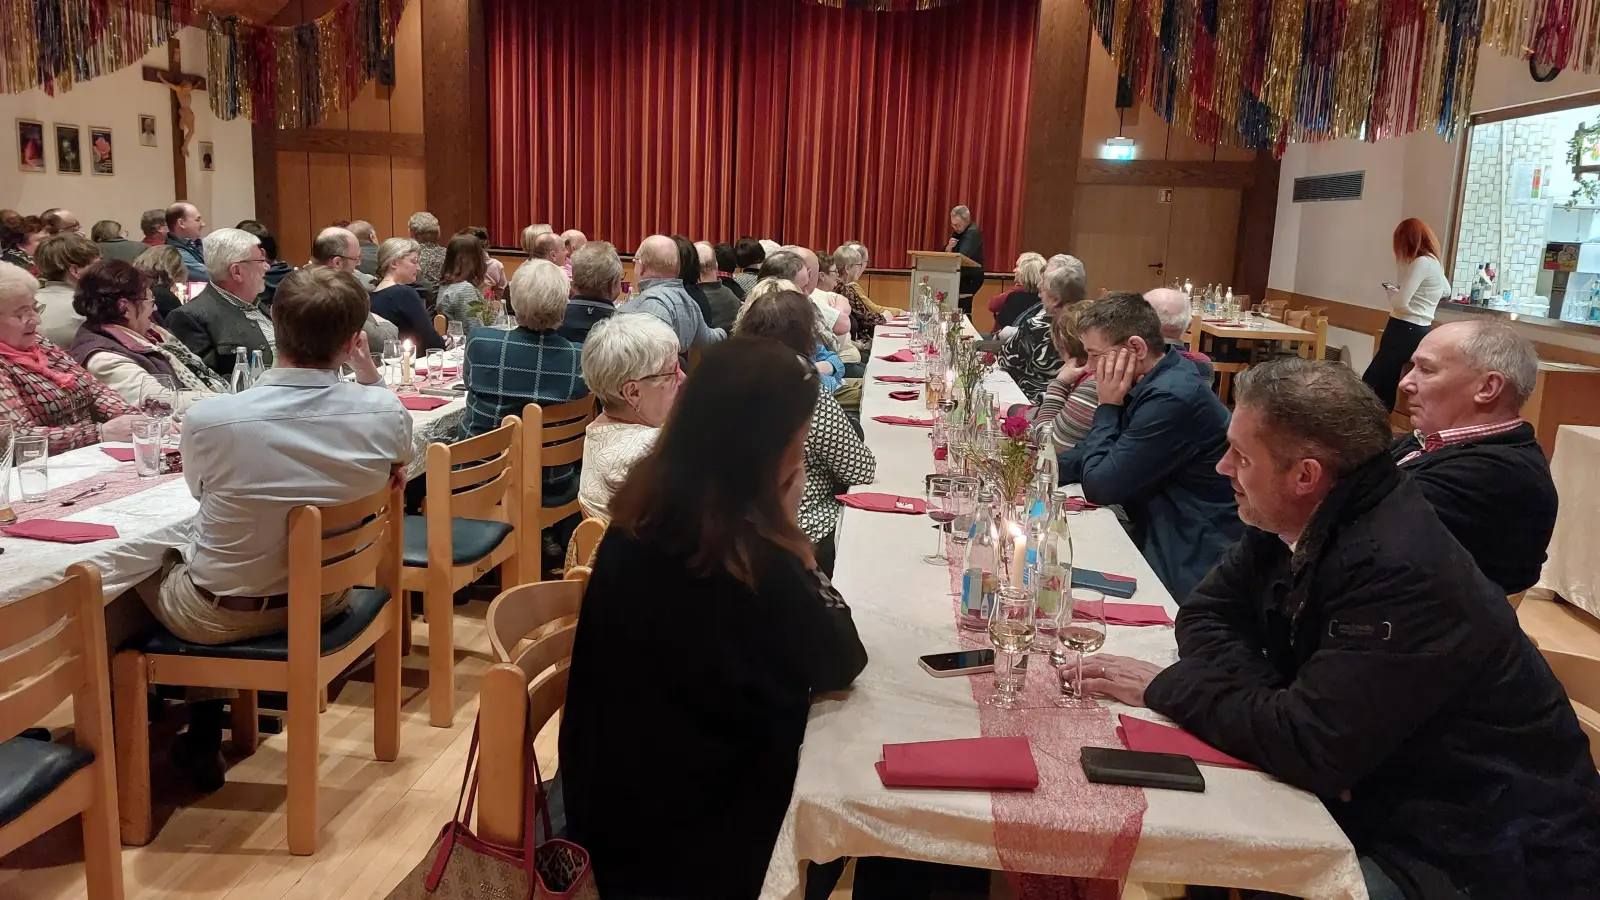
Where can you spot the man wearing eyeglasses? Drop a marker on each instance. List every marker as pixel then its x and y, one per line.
pixel 337 248
pixel 227 315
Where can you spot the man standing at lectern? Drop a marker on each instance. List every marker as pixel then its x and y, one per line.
pixel 967 240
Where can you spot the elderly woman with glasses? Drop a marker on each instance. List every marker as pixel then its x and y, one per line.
pixel 120 343
pixel 42 391
pixel 630 361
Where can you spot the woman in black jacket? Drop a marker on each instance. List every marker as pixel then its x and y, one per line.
pixel 706 630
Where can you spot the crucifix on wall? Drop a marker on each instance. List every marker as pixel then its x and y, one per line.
pixel 183 86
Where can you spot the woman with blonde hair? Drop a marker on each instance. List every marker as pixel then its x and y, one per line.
pixel 394 299
pixel 1023 295
pixel 1413 303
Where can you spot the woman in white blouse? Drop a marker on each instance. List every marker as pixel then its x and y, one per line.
pixel 1421 283
pixel 630 361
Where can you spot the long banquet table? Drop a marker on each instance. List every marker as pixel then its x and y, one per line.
pixel 147 522
pixel 1247 830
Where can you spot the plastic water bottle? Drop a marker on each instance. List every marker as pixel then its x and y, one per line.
pixel 239 380
pixel 258 365
pixel 980 578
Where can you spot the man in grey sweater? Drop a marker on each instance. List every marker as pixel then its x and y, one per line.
pixel 662 294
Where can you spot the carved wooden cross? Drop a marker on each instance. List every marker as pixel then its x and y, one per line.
pixel 183 86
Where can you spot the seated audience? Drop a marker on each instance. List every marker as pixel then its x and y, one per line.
pixel 424 229
pixel 396 301
pixel 631 363
pixel 661 294
pixel 153 225
pixel 61 260
pixel 338 248
pixel 277 269
pixel 574 239
pixel 494 272
pixel 835 458
pixel 1177 317
pixel 60 221
pixel 227 315
pixel 703 552
pixel 748 255
pixel 727 265
pixel 1030 356
pixel 120 344
pixel 368 238
pixel 549 246
pixel 1023 295
pixel 720 299
pixel 1067 412
pixel 505 370
pixel 42 391
pixel 1348 647
pixel 596 285
pixel 689 273
pixel 833 313
pixel 302 435
pixel 163 268
pixel 19 240
pixel 184 227
pixel 460 297
pixel 1154 445
pixel 113 244
pixel 851 261
pixel 1472 455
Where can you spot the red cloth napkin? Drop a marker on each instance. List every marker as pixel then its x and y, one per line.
pixel 1135 614
pixel 895 334
pixel 904 420
pixel 1078 504
pixel 448 370
pixel 904 395
pixel 992 763
pixel 941 453
pixel 897 379
pixel 889 503
pixel 900 356
pixel 59 532
pixel 421 402
pixel 1214 321
pixel 125 454
pixel 1153 737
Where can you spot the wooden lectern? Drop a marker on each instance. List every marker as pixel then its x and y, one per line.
pixel 942 269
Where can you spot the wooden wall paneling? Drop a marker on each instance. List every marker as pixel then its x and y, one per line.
pixel 329 177
pixel 264 164
pixel 1200 243
pixel 1181 147
pixel 1258 221
pixel 1121 235
pixel 293 229
pixel 890 290
pixel 455 103
pixel 1237 154
pixel 1055 132
pixel 1100 119
pixel 369 111
pixel 329 140
pixel 1166 173
pixel 371 191
pixel 405 98
pixel 408 187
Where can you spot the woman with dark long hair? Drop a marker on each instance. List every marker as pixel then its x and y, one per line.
pixel 460 296
pixel 1421 283
pixel 704 558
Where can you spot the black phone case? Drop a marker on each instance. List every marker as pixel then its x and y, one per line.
pixel 1106 765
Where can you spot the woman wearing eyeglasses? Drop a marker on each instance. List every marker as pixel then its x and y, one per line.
pixel 630 361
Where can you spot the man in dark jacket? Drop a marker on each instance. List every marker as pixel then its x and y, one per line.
pixel 184 225
pixel 1154 444
pixel 228 314
pixel 1472 455
pixel 596 284
pixel 1348 646
pixel 967 240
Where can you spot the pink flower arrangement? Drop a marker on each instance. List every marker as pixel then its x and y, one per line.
pixel 1014 427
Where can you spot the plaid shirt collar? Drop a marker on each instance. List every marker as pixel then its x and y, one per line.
pixel 1448 436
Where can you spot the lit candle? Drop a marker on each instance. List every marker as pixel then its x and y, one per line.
pixel 1019 554
pixel 406 358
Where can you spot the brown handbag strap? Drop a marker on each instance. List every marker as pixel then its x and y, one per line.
pixel 537 805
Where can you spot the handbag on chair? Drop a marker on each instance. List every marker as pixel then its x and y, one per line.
pixel 460 866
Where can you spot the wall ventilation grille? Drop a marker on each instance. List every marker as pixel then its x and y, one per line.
pixel 1343 186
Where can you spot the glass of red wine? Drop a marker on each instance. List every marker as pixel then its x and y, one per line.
pixel 941 497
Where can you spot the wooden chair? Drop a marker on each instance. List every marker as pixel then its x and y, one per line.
pixel 517 697
pixel 1317 348
pixel 472 523
pixel 586 540
pixel 440 324
pixel 560 437
pixel 57 641
pixel 1580 675
pixel 331 549
pixel 1225 372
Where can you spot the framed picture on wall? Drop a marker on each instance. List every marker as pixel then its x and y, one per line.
pixel 30 146
pixel 147 131
pixel 69 149
pixel 207 158
pixel 100 147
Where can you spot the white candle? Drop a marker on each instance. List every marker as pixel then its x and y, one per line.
pixel 407 355
pixel 1019 554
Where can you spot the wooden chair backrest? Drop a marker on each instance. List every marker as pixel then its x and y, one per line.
pixel 478 478
pixel 55 641
pixel 513 708
pixel 555 438
pixel 1580 675
pixel 332 548
pixel 1295 318
pixel 543 613
pixel 1318 347
pixel 440 324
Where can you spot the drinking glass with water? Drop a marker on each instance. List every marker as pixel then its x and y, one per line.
pixel 32 456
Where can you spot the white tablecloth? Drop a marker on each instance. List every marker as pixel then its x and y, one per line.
pixel 148 522
pixel 1247 830
pixel 1572 568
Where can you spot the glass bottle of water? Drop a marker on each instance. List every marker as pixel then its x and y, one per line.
pixel 980 570
pixel 239 379
pixel 1052 576
pixel 258 365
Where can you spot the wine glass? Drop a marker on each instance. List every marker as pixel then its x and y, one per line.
pixel 940 502
pixel 1011 630
pixel 391 362
pixel 456 334
pixel 1083 629
pixel 156 397
pixel 962 502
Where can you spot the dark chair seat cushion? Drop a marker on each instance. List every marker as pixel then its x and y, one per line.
pixel 470 540
pixel 337 633
pixel 30 770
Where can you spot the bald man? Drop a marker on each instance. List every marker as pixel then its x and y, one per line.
pixel 337 248
pixel 549 246
pixel 367 236
pixel 662 294
pixel 1172 306
pixel 574 239
pixel 832 310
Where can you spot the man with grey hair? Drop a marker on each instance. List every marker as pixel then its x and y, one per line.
pixel 596 284
pixel 1472 454
pixel 367 236
pixel 662 294
pixel 228 314
pixel 967 240
pixel 424 228
pixel 1347 646
pixel 153 223
pixel 723 303
pixel 1172 306
pixel 1029 355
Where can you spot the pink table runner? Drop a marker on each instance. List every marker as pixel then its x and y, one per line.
pixel 121 482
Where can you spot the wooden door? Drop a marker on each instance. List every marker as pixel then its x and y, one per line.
pixel 1202 234
pixel 1120 232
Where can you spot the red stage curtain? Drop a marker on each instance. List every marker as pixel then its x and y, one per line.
pixel 779 118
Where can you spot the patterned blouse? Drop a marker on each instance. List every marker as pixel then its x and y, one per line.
pixel 464 303
pixel 69 416
pixel 431 259
pixel 836 460
pixel 1030 358
pixel 865 316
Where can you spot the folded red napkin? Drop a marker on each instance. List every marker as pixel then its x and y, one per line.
pixel 889 503
pixel 941 453
pixel 992 763
pixel 904 395
pixel 1078 504
pixel 421 402
pixel 900 356
pixel 125 454
pixel 59 532
pixel 897 379
pixel 904 420
pixel 1153 737
pixel 448 370
pixel 896 334
pixel 1135 614
pixel 1214 321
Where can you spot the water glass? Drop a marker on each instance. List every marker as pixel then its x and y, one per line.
pixel 455 333
pixel 1082 629
pixel 31 454
pixel 436 366
pixel 156 395
pixel 1011 629
pixel 7 517
pixel 963 501
pixel 148 438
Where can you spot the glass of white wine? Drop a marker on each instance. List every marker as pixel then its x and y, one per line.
pixel 1083 630
pixel 1011 629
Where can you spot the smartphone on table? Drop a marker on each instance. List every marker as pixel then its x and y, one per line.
pixel 958 663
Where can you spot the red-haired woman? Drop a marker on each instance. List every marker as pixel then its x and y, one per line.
pixel 1422 282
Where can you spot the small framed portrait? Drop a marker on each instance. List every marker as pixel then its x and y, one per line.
pixel 69 149
pixel 147 131
pixel 101 162
pixel 207 158
pixel 30 146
